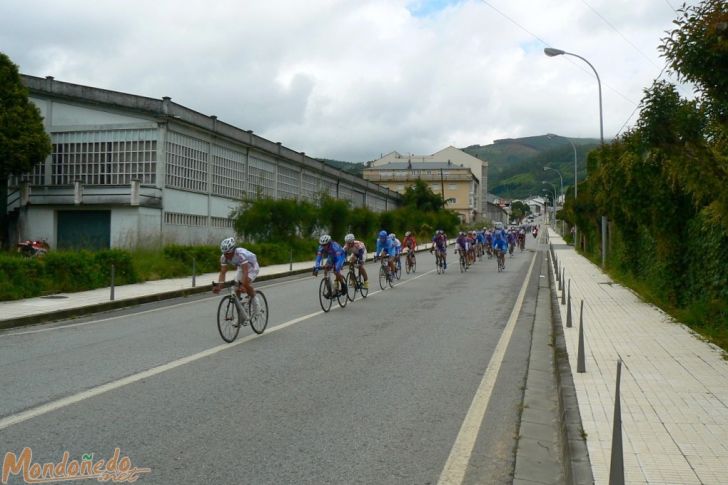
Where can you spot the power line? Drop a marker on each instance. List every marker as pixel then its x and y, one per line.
pixel 620 33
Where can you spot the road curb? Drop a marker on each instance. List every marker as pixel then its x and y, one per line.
pixel 577 466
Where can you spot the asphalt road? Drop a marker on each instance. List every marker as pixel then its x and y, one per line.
pixel 376 392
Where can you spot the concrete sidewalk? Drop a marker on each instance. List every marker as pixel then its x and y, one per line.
pixel 674 386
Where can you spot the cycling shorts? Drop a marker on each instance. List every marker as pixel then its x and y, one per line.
pixel 252 273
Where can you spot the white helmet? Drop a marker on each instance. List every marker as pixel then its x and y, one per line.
pixel 499 225
pixel 325 239
pixel 349 238
pixel 227 245
pixel 407 234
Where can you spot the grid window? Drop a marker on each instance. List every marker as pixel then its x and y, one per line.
pixel 328 187
pixel 345 192
pixel 288 182
pixel 221 222
pixel 309 186
pixel 262 178
pixel 187 163
pixel 228 173
pixel 112 157
pixel 177 219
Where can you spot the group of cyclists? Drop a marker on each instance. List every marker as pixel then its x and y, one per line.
pixel 332 256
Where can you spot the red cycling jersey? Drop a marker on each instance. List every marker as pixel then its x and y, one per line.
pixel 409 242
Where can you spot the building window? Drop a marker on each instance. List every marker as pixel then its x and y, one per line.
pixel 262 178
pixel 187 163
pixel 112 157
pixel 451 186
pixel 178 219
pixel 288 182
pixel 229 178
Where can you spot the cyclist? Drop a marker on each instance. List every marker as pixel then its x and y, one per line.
pixel 247 269
pixel 500 240
pixel 480 241
pixel 358 252
pixel 335 257
pixel 385 247
pixel 409 243
pixel 462 244
pixel 397 249
pixel 439 244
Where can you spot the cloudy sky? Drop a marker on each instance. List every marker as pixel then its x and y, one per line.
pixel 352 79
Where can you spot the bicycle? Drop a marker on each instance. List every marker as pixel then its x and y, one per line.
pixel 439 262
pixel 397 267
pixel 501 257
pixel 234 312
pixel 355 282
pixel 411 262
pixel 463 261
pixel 328 292
pixel 385 275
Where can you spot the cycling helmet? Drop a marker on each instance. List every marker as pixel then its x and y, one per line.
pixel 499 225
pixel 461 233
pixel 349 238
pixel 382 234
pixel 407 234
pixel 393 235
pixel 227 245
pixel 324 240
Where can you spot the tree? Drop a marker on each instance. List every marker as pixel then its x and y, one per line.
pixel 422 197
pixel 23 141
pixel 519 210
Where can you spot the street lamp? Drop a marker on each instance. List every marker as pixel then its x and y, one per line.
pixel 553 206
pixel 561 194
pixel 551 52
pixel 556 203
pixel 576 181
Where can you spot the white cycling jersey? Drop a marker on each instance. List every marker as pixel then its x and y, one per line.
pixel 241 257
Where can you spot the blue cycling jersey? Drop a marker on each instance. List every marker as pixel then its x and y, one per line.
pixel 384 246
pixel 334 255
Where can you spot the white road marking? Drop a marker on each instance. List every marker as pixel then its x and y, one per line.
pixel 110 386
pixel 457 463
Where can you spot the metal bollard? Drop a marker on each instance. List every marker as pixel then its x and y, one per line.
pixel 616 467
pixel 580 364
pixel 113 271
pixel 194 272
pixel 290 261
pixel 568 309
pixel 563 288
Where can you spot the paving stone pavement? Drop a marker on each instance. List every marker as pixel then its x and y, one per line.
pixel 674 386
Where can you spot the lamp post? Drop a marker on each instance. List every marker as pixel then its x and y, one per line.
pixel 561 179
pixel 576 182
pixel 551 52
pixel 553 206
pixel 561 195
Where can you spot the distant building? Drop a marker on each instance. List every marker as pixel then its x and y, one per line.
pixel 128 170
pixel 459 177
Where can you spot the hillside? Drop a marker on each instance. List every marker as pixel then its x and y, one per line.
pixel 515 165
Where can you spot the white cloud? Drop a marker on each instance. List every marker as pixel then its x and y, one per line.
pixel 350 79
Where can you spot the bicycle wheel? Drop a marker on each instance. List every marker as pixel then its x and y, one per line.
pixel 325 294
pixel 351 285
pixel 408 264
pixel 462 264
pixel 259 321
pixel 343 296
pixel 438 263
pixel 398 269
pixel 227 319
pixel 360 284
pixel 382 277
pixel 414 263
